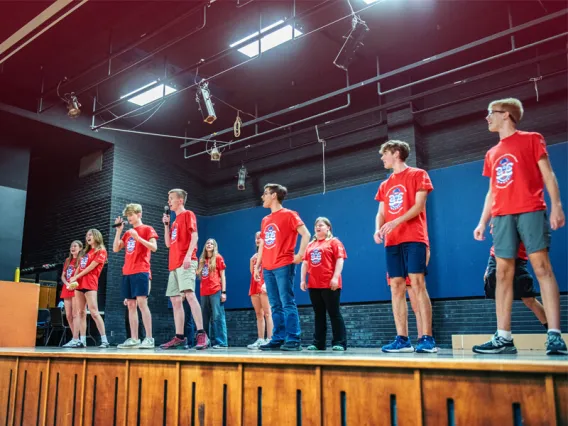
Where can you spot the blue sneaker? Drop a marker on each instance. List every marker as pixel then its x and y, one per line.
pixel 426 344
pixel 555 345
pixel 497 345
pixel 400 344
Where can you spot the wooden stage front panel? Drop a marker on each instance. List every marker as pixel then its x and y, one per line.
pixel 238 387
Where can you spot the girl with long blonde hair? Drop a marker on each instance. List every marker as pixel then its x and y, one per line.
pixel 86 281
pixel 259 299
pixel 213 292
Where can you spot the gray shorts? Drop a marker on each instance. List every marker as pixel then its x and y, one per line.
pixel 531 228
pixel 182 280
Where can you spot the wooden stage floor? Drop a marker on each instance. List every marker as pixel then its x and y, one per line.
pixel 236 386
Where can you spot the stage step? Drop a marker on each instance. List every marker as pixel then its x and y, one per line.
pixel 531 342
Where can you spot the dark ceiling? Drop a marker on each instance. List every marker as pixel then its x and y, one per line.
pixel 401 32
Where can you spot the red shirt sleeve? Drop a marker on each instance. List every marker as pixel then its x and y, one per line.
pixel 380 197
pixel 262 230
pixel 125 238
pixel 487 166
pixel 100 256
pixel 338 249
pixel 295 220
pixel 191 223
pixel 221 266
pixel 539 147
pixel 152 233
pixel 424 184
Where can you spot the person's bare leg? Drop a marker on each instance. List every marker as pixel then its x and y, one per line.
pixel 255 299
pixel 414 305
pixel 536 307
pixel 133 318
pixel 505 274
pixel 399 309
pixel 267 314
pixel 179 314
pixel 68 302
pixel 91 297
pixel 142 302
pixel 195 309
pixel 540 262
pixel 418 285
pixel 80 316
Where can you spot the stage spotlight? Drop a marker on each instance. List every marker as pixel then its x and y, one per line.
pixel 353 42
pixel 215 154
pixel 206 96
pixel 242 178
pixel 73 106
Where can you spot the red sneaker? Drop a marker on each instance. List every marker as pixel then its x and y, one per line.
pixel 202 341
pixel 175 343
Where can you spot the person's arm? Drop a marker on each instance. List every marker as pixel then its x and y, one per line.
pixel 200 267
pixel 166 222
pixel 192 246
pixel 152 244
pixel 379 222
pixel 85 271
pixel 118 244
pixel 557 219
pixel 485 216
pixel 251 265
pixel 303 275
pixel 64 278
pixel 305 234
pixel 337 273
pixel 415 210
pixel 258 261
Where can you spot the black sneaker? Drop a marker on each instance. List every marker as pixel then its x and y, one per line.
pixel 291 346
pixel 271 346
pixel 497 345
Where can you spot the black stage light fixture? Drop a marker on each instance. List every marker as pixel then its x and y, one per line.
pixel 353 41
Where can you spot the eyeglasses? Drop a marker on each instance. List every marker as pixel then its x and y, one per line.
pixel 493 111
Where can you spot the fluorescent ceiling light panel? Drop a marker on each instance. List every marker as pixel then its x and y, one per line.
pixel 369 1
pixel 149 95
pixel 269 41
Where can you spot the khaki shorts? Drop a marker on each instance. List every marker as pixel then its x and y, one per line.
pixel 182 280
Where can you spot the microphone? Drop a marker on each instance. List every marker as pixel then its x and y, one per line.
pixel 167 210
pixel 116 225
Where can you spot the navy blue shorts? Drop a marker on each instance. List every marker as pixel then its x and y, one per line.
pixel 406 258
pixel 135 285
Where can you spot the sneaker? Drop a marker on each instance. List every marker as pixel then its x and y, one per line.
pixel 312 348
pixel 219 347
pixel 74 344
pixel 291 346
pixel 400 344
pixel 338 348
pixel 497 345
pixel 271 346
pixel 130 343
pixel 254 346
pixel 147 343
pixel 104 345
pixel 555 345
pixel 175 343
pixel 202 341
pixel 426 344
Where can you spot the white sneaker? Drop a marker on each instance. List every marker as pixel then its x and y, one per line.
pixel 147 343
pixel 256 345
pixel 71 343
pixel 129 343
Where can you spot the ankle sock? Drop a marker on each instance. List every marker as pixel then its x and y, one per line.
pixel 504 334
pixel 180 336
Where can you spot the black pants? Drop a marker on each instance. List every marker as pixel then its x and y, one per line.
pixel 324 299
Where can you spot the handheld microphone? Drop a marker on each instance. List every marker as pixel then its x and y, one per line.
pixel 167 210
pixel 116 225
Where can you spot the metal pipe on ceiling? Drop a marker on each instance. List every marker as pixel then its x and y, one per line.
pixel 409 99
pixel 126 49
pixel 136 63
pixel 412 66
pixel 212 59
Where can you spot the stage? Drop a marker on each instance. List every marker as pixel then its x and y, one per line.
pixel 236 386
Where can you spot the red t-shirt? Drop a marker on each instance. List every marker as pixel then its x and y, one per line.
pixel 91 280
pixel 279 232
pixel 398 193
pixel 322 257
pixel 256 286
pixel 516 181
pixel 69 270
pixel 211 281
pixel 180 237
pixel 521 254
pixel 137 257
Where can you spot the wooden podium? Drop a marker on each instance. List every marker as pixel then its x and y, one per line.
pixel 18 314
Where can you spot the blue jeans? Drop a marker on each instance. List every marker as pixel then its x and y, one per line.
pixel 214 319
pixel 280 287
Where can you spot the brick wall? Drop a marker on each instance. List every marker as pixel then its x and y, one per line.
pixel 372 324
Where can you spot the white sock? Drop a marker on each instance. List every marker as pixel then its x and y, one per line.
pixel 83 340
pixel 553 330
pixel 504 334
pixel 104 339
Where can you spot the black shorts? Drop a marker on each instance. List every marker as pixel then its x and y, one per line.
pixel 523 284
